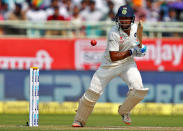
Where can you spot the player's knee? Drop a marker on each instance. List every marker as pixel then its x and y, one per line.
pixel 90 98
pixel 91 95
pixel 136 85
pixel 139 93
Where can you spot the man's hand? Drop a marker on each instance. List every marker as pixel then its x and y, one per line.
pixel 138 52
pixel 143 49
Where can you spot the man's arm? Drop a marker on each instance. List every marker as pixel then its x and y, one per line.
pixel 117 55
pixel 135 52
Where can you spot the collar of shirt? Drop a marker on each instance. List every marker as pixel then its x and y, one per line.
pixel 121 32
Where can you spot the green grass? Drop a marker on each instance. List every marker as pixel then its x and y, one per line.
pixel 12 122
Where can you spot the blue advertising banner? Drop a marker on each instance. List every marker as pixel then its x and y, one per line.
pixel 165 87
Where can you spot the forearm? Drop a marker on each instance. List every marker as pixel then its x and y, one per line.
pixel 117 55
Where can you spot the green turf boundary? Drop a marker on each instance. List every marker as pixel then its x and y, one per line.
pixel 17 122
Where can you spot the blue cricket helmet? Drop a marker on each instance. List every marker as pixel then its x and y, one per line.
pixel 125 11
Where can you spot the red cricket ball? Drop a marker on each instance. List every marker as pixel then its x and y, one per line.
pixel 93 42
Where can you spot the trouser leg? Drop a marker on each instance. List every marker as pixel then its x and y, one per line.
pixel 136 92
pixel 90 97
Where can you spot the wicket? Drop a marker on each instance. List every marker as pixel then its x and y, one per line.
pixel 34 97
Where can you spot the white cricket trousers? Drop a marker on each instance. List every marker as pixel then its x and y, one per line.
pixel 127 71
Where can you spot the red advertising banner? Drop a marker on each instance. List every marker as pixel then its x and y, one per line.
pixel 162 55
pixel 44 53
pixel 88 57
pixel 50 54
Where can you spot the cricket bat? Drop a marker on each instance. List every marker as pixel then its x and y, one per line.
pixel 139 33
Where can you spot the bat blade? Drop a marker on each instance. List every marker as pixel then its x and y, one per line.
pixel 139 32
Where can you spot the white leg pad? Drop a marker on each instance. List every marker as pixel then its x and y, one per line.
pixel 86 105
pixel 133 98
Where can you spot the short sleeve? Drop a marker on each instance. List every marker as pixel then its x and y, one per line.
pixel 113 42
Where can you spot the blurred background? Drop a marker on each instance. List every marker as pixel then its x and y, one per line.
pixel 55 36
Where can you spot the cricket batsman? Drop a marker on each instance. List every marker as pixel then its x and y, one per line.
pixel 118 60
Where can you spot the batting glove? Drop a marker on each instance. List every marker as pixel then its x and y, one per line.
pixel 138 52
pixel 143 49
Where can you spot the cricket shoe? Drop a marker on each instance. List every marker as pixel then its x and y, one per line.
pixel 77 124
pixel 126 118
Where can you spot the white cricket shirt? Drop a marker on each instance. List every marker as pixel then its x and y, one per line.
pixel 119 41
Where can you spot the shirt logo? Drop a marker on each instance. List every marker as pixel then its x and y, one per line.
pixel 124 11
pixel 121 40
pixel 135 35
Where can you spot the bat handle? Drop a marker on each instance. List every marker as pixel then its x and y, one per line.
pixel 140 45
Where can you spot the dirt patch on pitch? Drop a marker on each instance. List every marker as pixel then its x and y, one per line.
pixel 147 128
pixel 138 128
